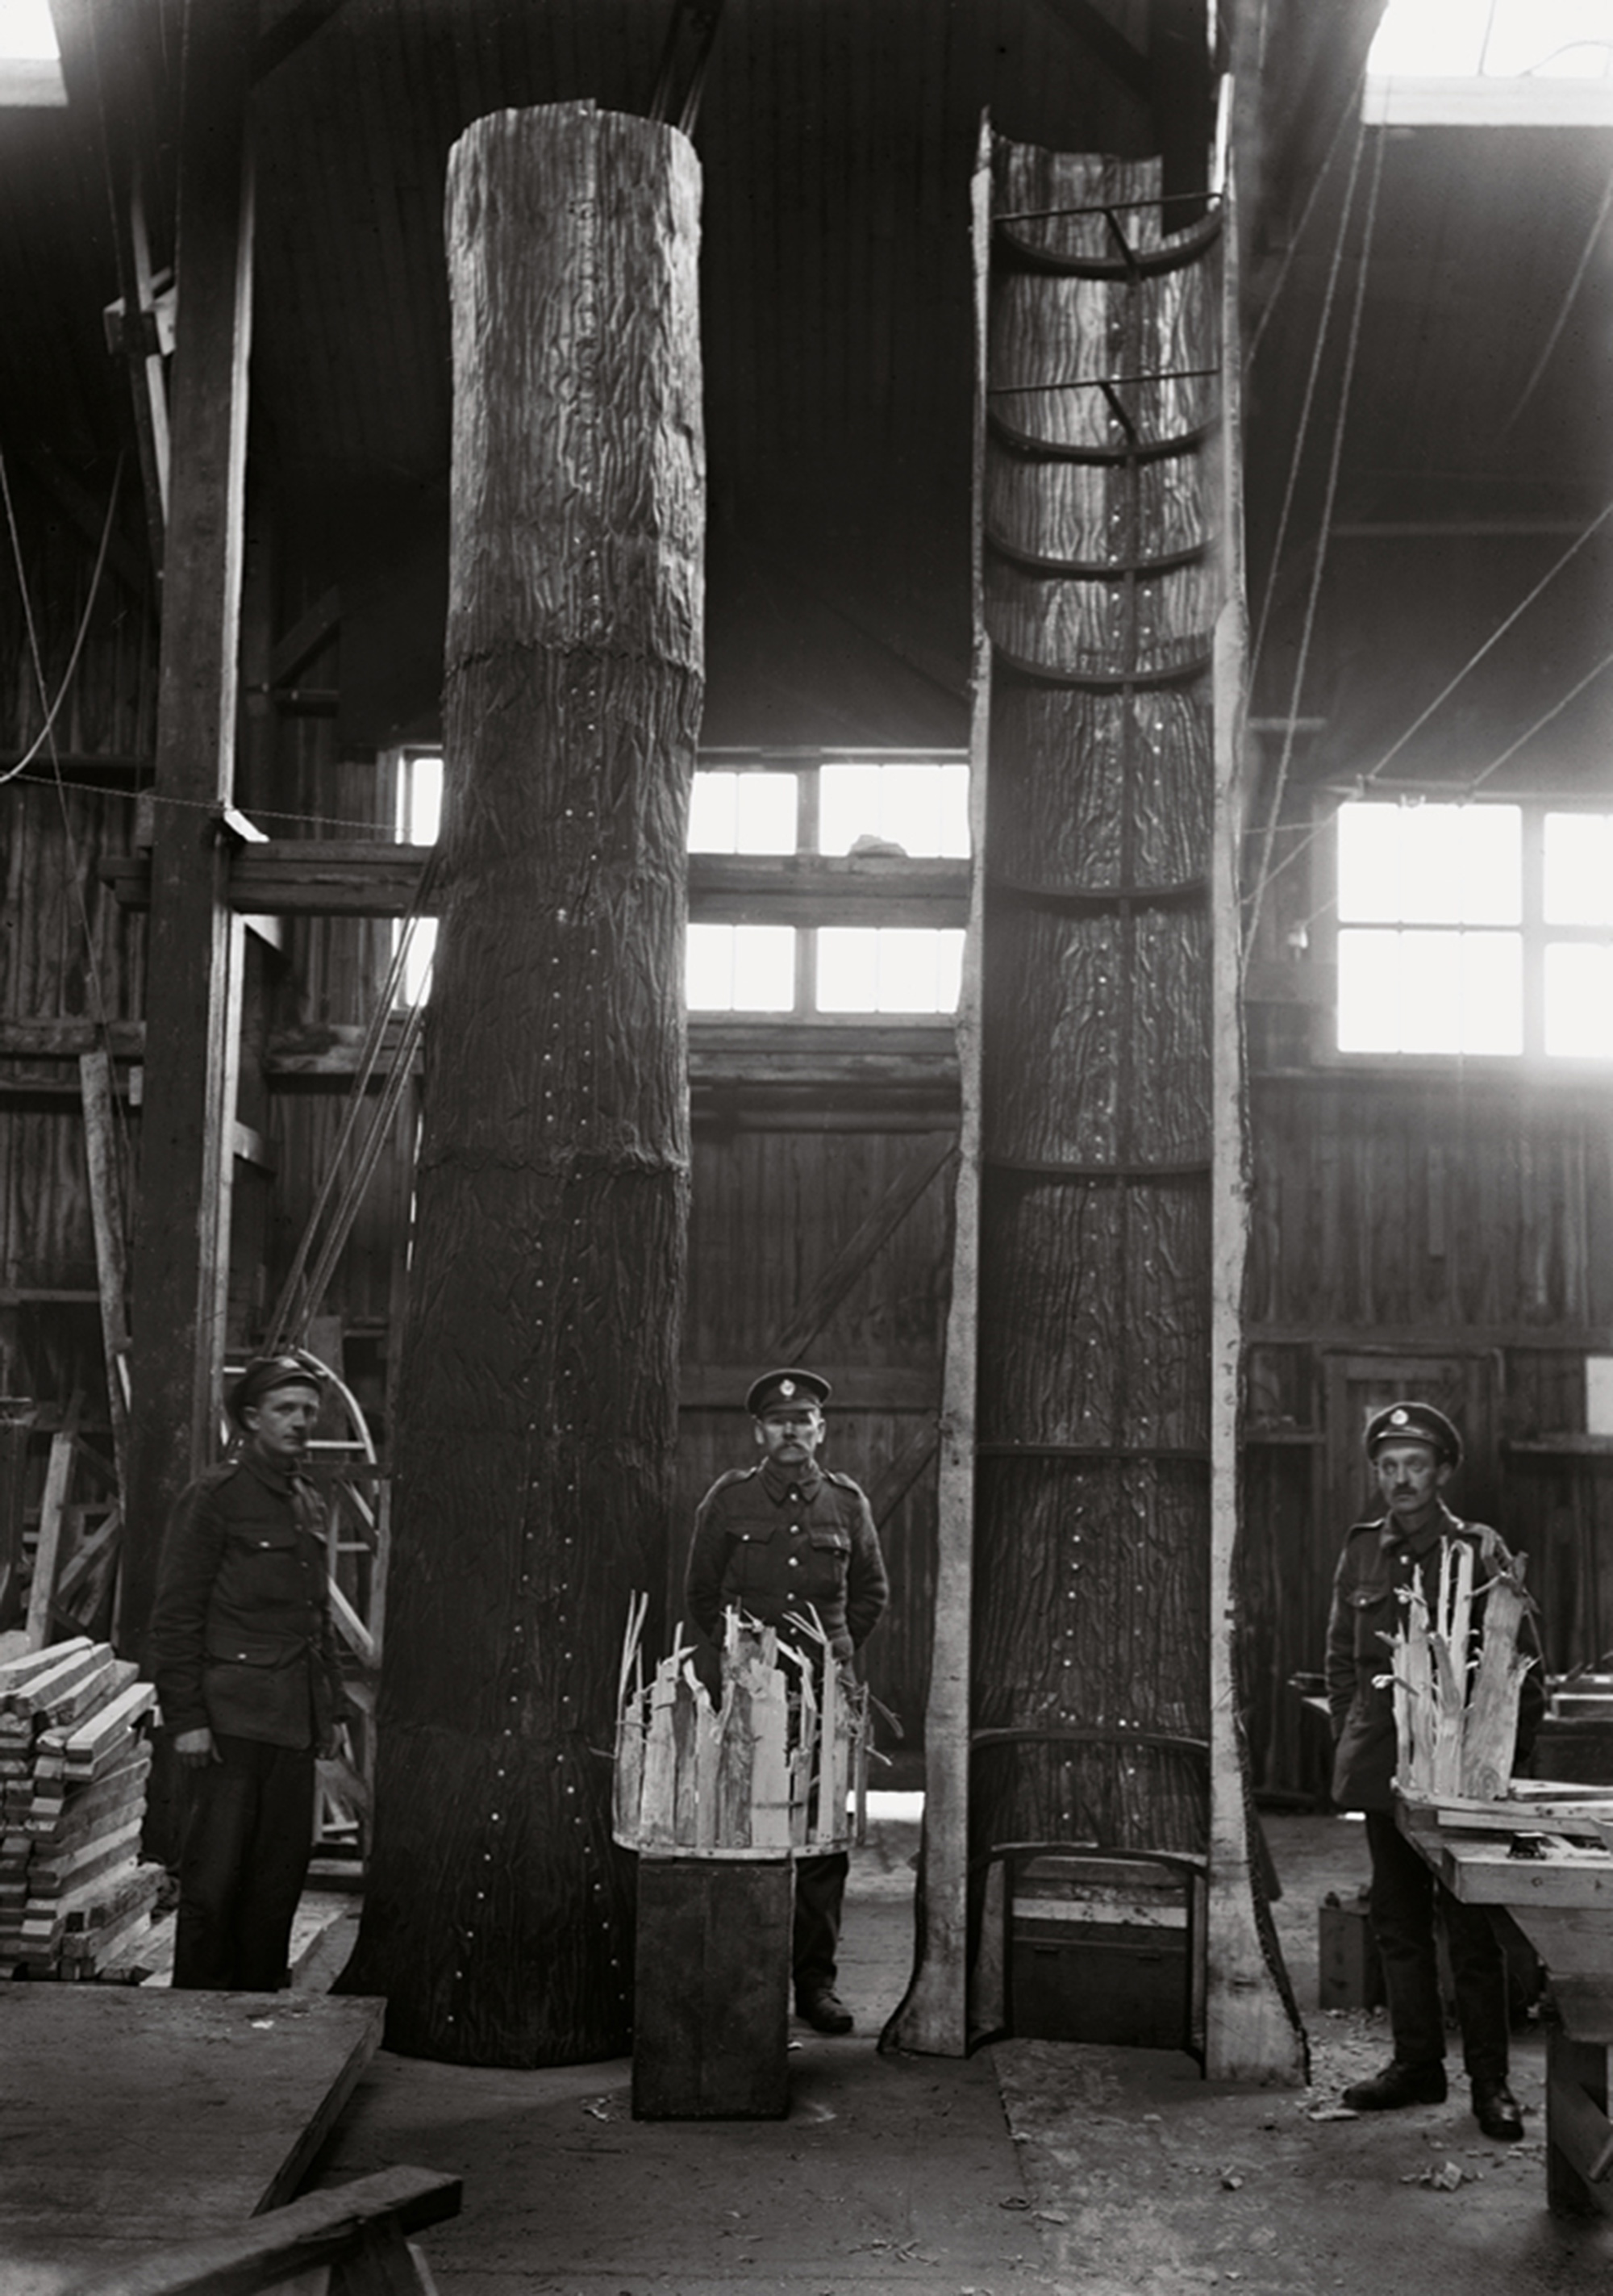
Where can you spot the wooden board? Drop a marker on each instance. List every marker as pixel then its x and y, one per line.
pixel 129 2117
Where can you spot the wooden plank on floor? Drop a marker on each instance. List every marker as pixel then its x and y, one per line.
pixel 125 2113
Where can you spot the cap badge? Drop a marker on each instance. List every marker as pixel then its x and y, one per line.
pixel 786 1387
pixel 1397 1418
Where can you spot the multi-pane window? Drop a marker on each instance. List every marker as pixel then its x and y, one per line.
pixel 419 820
pixel 1475 928
pixel 916 809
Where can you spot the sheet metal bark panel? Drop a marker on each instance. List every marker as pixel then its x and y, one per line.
pixel 1091 1616
pixel 536 1417
pixel 1059 513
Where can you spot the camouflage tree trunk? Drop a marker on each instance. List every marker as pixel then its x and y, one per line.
pixel 538 1411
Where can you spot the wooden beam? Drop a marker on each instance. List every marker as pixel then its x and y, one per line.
pixel 1104 42
pixel 308 634
pixel 299 23
pixel 192 971
pixel 47 1544
pixel 1252 2029
pixel 858 1252
pixel 112 1251
pixel 933 2017
pixel 336 877
pixel 305 2237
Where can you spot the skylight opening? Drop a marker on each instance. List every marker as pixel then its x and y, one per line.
pixel 1492 63
pixel 31 62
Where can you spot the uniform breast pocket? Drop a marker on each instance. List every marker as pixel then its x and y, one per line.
pixel 266 1570
pixel 747 1564
pixel 1375 1612
pixel 827 1557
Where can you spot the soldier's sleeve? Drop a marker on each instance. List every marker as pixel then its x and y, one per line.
pixel 175 1638
pixel 867 1586
pixel 708 1556
pixel 1341 1660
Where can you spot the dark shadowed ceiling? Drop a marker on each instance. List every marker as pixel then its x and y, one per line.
pixel 837 138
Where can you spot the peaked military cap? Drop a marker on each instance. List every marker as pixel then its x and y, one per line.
pixel 264 1374
pixel 791 1385
pixel 1414 1422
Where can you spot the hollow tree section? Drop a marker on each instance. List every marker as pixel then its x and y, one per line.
pixel 536 1417
pixel 1100 592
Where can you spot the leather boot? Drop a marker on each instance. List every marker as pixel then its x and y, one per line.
pixel 825 2011
pixel 1396 2084
pixel 1497 2110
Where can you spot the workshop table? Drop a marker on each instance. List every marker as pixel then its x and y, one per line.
pixel 1543 1854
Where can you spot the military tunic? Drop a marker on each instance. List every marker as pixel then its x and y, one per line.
pixel 241 1645
pixel 773 1541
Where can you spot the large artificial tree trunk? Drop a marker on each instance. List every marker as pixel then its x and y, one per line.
pixel 536 1414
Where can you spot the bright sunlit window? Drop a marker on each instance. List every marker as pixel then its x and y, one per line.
pixel 31 69
pixel 923 809
pixel 741 969
pixel 744 813
pixel 419 822
pixel 1475 928
pixel 1492 63
pixel 889 969
pixel 871 809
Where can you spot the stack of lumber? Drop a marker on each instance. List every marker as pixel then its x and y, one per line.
pixel 74 1897
pixel 765 1771
pixel 1457 1684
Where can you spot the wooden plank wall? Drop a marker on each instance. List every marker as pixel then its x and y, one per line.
pixel 1458 1227
pixel 66 950
pixel 771 1210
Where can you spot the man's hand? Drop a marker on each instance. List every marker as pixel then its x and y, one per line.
pixel 195 1749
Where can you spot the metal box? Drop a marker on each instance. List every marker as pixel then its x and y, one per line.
pixel 1100 1949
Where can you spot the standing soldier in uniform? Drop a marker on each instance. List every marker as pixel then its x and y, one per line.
pixel 778 1539
pixel 1414 1451
pixel 244 1661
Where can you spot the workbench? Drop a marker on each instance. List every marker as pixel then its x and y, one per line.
pixel 1543 1853
pixel 130 2119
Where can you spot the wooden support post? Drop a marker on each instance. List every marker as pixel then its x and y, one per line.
pixel 1579 2143
pixel 537 1415
pixel 17 1415
pixel 112 1255
pixel 48 1543
pixel 192 971
pixel 934 2016
pixel 1252 2028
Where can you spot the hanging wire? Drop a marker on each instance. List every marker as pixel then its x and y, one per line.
pixel 1561 320
pixel 1494 638
pixel 46 738
pixel 53 708
pixel 1352 351
pixel 298 1294
pixel 1302 435
pixel 1351 109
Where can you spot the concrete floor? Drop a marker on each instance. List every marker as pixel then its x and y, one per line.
pixel 1076 2169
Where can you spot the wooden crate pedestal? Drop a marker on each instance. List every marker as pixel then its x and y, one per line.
pixel 1098 1950
pixel 712 1988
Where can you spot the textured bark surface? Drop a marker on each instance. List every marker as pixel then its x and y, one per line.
pixel 537 1415
pixel 1092 1518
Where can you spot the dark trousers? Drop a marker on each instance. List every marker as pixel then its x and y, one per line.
pixel 819 1891
pixel 247 1838
pixel 1407 1899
